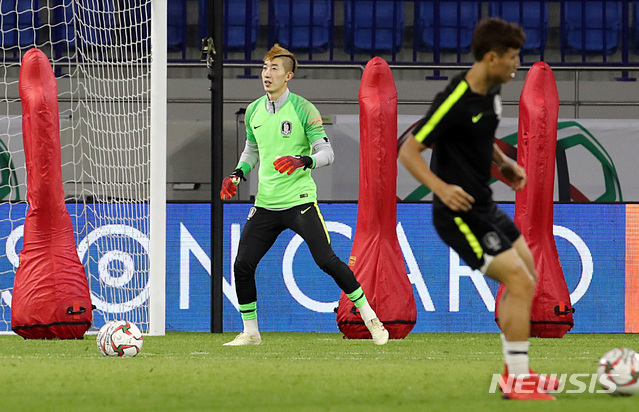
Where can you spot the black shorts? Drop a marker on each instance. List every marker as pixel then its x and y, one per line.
pixel 262 228
pixel 477 235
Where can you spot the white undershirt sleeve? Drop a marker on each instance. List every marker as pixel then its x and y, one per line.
pixel 323 154
pixel 251 154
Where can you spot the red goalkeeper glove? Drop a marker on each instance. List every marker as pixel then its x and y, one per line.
pixel 291 163
pixel 229 184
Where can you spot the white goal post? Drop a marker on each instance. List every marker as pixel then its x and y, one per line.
pixel 109 57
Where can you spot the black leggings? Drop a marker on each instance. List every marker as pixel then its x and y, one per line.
pixel 262 228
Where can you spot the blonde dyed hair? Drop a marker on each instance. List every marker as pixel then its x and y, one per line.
pixel 290 63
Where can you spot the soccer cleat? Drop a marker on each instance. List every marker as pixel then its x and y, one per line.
pixel 244 339
pixel 522 389
pixel 546 383
pixel 378 331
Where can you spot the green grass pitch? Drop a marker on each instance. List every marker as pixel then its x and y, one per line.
pixel 186 371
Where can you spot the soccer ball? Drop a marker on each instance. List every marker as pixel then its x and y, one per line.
pixel 618 371
pixel 100 339
pixel 119 338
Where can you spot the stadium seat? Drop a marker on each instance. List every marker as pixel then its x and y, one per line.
pixel 18 23
pixel 634 28
pixel 376 26
pixel 64 23
pixel 139 18
pixel 241 24
pixel 449 30
pixel 176 26
pixel 589 27
pixel 63 28
pixel 240 16
pixel 531 15
pixel 93 11
pixel 64 34
pixel 302 24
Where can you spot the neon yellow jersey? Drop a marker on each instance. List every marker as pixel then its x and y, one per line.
pixel 289 132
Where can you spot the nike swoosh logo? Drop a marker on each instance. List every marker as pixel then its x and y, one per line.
pixel 475 119
pixel 306 210
pixel 255 127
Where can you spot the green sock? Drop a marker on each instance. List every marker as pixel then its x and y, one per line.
pixel 249 311
pixel 357 297
pixel 361 303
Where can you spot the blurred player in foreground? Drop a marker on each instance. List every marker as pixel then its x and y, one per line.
pixel 285 134
pixel 460 126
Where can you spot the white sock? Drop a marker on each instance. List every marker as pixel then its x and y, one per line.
pixel 516 356
pixel 250 327
pixel 367 312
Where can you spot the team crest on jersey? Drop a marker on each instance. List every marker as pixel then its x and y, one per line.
pixel 492 241
pixel 497 106
pixel 286 128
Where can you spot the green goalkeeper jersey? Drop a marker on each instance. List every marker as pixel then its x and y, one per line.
pixel 288 132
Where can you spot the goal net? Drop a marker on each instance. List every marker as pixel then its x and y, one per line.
pixel 100 51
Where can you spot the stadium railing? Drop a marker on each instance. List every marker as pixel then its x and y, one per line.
pixel 408 32
pixel 417 32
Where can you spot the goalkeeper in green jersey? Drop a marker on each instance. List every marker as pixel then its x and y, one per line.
pixel 286 136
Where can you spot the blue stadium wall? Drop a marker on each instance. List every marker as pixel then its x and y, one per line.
pixel 598 246
pixel 295 295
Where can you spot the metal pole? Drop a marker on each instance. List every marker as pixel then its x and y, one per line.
pixel 216 18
